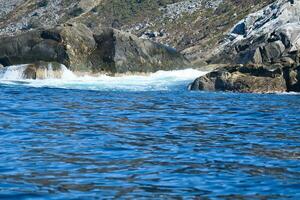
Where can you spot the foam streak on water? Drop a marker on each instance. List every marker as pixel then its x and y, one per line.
pixel 161 80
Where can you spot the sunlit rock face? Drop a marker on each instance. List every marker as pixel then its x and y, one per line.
pixel 271 35
pixel 267 45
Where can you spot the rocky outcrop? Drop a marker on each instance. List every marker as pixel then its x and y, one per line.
pixel 266 44
pixel 80 49
pixel 250 78
pixel 271 35
pixel 282 45
pixel 193 27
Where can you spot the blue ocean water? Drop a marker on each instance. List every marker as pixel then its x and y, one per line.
pixel 74 141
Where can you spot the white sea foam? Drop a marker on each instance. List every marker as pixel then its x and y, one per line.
pixel 161 80
pixel 12 72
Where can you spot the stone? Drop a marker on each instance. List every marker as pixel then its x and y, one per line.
pixel 81 49
pixel 257 57
pixel 272 51
pixel 287 61
pixel 292 76
pixel 42 70
pixel 30 72
pixel 271 34
pixel 246 78
pixel 240 29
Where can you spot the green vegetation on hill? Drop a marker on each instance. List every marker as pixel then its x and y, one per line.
pixel 131 11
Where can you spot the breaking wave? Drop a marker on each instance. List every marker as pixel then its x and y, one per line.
pixel 161 80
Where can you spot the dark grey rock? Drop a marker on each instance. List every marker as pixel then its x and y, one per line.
pixel 81 49
pixel 292 76
pixel 240 29
pixel 272 51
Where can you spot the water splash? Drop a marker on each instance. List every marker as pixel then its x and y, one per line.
pixel 161 80
pixel 49 71
pixel 13 72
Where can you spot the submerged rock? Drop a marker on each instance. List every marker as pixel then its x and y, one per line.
pixel 81 49
pixel 250 78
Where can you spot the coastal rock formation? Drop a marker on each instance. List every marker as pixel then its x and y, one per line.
pixel 81 49
pixel 264 37
pixel 266 44
pixel 193 27
pixel 250 78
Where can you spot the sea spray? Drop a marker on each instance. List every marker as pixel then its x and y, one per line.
pixel 64 78
pixel 20 72
pixel 15 72
pixel 49 71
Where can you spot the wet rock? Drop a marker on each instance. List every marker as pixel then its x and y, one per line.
pixel 292 76
pixel 30 72
pixel 43 70
pixel 249 78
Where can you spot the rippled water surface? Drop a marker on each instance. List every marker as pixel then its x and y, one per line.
pixel 169 144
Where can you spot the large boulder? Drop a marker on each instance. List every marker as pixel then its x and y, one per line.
pixel 292 77
pixel 81 49
pixel 250 78
pixel 122 52
pixel 67 44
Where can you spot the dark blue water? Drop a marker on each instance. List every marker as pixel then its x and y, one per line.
pixel 80 144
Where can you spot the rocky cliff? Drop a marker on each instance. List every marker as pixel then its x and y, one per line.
pixel 60 31
pixel 258 40
pixel 194 27
pixel 264 37
pixel 266 44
